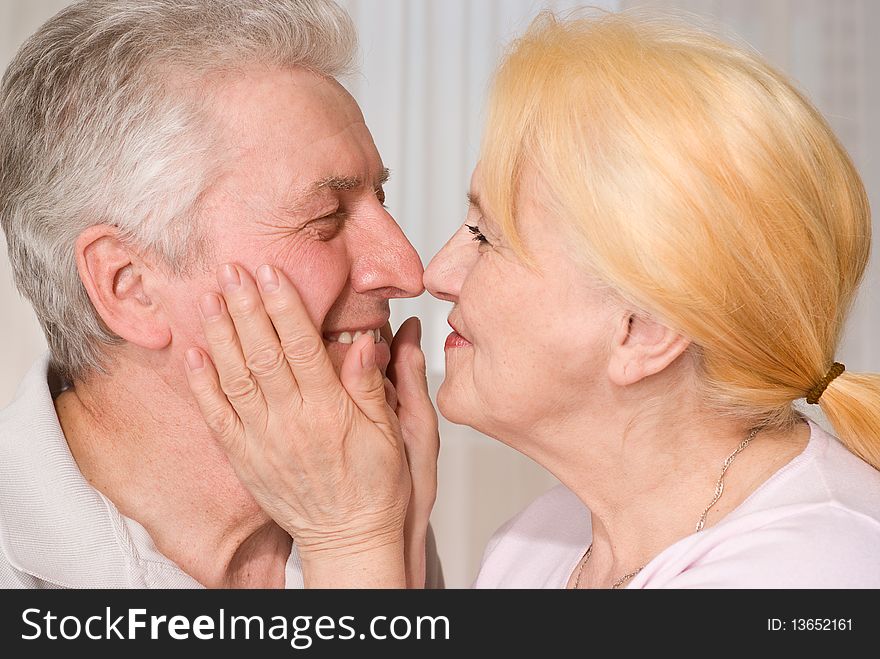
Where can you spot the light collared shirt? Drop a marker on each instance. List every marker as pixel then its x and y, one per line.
pixel 57 531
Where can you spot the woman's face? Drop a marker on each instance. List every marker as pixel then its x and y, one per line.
pixel 530 345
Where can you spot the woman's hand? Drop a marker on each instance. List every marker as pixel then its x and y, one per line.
pixel 324 455
pixel 421 436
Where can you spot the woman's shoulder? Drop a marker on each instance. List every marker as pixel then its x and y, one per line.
pixel 538 547
pixel 849 480
pixel 810 546
pixel 826 476
pixel 558 508
pixel 813 524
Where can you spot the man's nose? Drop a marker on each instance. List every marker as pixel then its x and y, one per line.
pixel 447 271
pixel 388 263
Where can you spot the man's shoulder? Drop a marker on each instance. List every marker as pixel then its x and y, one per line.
pixel 31 406
pixel 13 577
pixel 23 427
pixel 55 530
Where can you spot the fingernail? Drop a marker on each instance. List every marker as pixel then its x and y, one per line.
pixel 368 357
pixel 194 360
pixel 419 325
pixel 210 306
pixel 229 278
pixel 268 278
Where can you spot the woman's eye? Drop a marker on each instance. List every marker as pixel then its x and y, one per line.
pixel 477 234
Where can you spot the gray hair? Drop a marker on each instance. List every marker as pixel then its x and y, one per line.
pixel 103 120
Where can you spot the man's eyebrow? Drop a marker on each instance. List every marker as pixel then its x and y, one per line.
pixel 349 182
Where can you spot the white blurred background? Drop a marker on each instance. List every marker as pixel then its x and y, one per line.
pixel 425 70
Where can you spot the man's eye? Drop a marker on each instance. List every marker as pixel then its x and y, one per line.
pixel 329 226
pixel 478 236
pixel 380 195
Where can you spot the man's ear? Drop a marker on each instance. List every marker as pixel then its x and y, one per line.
pixel 119 285
pixel 642 347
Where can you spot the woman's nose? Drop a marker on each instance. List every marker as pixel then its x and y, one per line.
pixel 447 271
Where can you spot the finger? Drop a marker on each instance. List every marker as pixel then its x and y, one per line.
pixel 236 380
pixel 262 351
pixel 364 382
pixel 218 413
pixel 301 343
pixel 418 418
pixel 387 333
pixel 409 335
pixel 390 394
pixel 408 372
pixel 419 428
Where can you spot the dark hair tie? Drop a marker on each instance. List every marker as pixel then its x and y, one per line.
pixel 814 394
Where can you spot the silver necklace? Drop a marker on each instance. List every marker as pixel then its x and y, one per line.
pixel 719 490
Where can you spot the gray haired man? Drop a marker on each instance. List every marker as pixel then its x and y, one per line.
pixel 142 144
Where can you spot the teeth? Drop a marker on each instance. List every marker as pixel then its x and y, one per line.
pixel 347 338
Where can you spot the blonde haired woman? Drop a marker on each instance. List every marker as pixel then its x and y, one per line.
pixel 663 243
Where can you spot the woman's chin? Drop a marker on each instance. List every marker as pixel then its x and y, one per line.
pixel 456 405
pixel 449 403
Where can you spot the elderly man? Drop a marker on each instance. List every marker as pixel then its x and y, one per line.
pixel 142 144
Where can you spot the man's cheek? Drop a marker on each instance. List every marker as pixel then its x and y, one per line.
pixel 319 287
pixel 181 309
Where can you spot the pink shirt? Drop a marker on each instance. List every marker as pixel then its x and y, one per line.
pixel 814 524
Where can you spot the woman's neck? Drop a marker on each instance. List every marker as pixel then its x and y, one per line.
pixel 648 477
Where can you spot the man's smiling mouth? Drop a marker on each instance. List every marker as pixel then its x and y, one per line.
pixel 350 336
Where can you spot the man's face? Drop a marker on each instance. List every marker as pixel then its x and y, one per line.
pixel 302 190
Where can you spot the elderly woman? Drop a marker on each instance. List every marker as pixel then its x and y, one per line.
pixel 663 242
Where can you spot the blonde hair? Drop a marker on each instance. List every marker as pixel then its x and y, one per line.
pixel 703 188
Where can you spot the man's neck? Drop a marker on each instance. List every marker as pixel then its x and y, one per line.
pixel 140 441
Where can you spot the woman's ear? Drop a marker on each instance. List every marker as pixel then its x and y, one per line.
pixel 642 347
pixel 121 288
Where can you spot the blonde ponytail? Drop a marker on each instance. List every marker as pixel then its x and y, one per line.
pixel 852 405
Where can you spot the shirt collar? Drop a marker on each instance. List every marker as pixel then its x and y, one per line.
pixel 53 524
